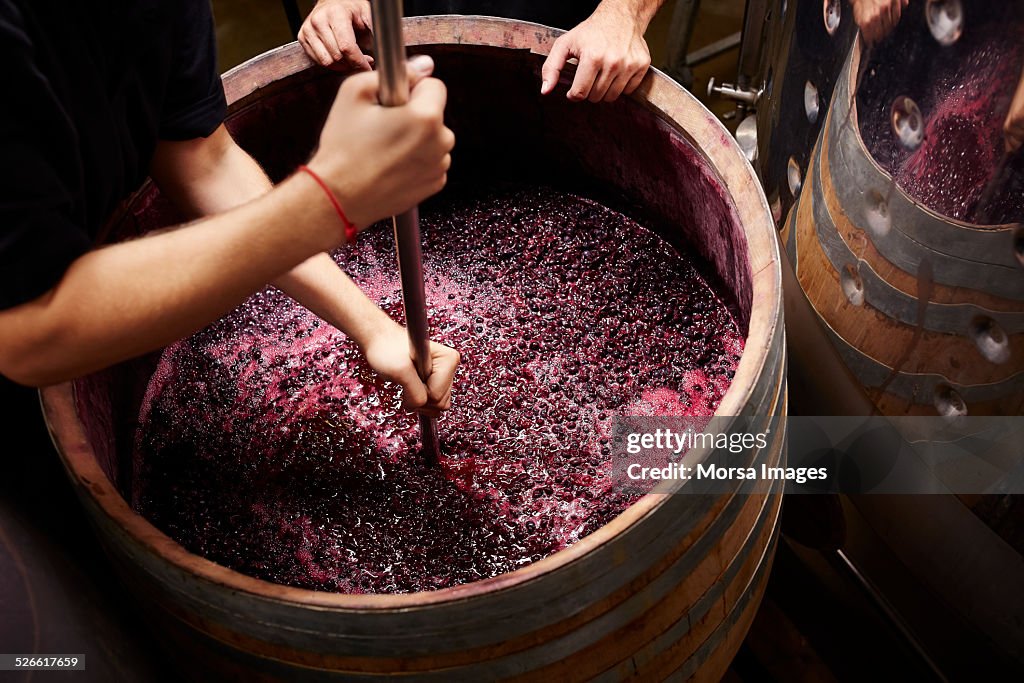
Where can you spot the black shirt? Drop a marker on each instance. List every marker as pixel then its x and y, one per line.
pixel 91 86
pixel 558 13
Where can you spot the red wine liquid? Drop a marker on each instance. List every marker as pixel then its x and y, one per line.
pixel 267 445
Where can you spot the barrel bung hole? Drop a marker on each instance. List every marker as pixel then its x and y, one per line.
pixel 945 20
pixel 833 14
pixel 853 286
pixel 746 137
pixel 794 176
pixel 811 104
pixel 907 122
pixel 991 339
pixel 876 213
pixel 948 402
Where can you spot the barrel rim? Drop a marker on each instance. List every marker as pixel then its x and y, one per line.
pixel 659 94
pixel 849 81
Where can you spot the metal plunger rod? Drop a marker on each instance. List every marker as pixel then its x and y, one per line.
pixel 394 91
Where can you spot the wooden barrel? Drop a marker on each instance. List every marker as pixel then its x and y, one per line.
pixel 926 314
pixel 927 311
pixel 668 588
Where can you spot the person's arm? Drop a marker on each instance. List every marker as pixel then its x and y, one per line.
pixel 336 31
pixel 322 287
pixel 610 46
pixel 1013 127
pixel 119 301
pixel 211 175
pixel 877 18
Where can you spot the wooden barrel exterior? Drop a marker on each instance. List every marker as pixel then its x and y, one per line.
pixel 945 562
pixel 667 590
pixel 921 345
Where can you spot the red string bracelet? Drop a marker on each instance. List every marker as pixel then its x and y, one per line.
pixel 350 229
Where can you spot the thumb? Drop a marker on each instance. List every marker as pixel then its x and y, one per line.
pixel 366 84
pixel 554 64
pixel 418 68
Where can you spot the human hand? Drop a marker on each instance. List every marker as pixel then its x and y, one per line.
pixel 380 161
pixel 612 53
pixel 877 18
pixel 1013 127
pixel 389 355
pixel 335 31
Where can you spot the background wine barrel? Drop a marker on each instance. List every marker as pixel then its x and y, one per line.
pixel 668 588
pixel 927 311
pixel 926 314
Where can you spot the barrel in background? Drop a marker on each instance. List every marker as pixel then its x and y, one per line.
pixel 926 314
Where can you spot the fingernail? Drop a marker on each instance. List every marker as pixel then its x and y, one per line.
pixel 422 63
pixel 545 86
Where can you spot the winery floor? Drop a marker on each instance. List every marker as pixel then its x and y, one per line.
pixel 817 624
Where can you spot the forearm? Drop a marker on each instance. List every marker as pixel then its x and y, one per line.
pixel 322 287
pixel 640 11
pixel 233 178
pixel 125 299
pixel 119 301
pixel 209 176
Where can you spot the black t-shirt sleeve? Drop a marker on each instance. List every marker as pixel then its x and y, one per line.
pixel 194 104
pixel 39 235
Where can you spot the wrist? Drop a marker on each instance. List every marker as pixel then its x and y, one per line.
pixel 350 228
pixel 305 215
pixel 375 329
pixel 353 202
